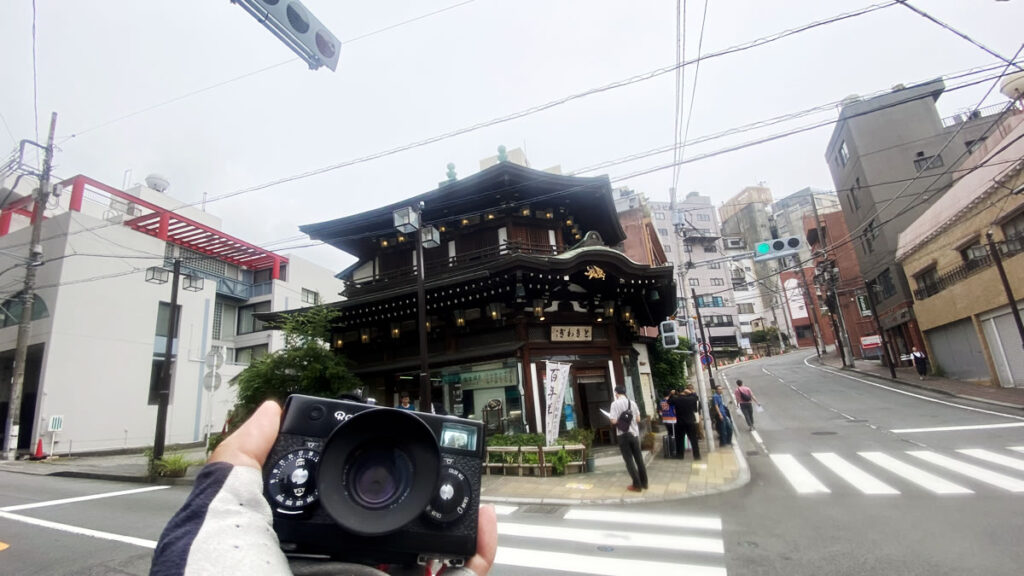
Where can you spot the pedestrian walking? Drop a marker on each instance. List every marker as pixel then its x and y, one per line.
pixel 686 405
pixel 920 362
pixel 724 418
pixel 746 399
pixel 623 416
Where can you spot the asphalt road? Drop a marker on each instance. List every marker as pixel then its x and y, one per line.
pixel 848 476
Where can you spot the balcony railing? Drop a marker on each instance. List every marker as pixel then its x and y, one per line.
pixel 460 263
pixel 1007 249
pixel 972 115
pixel 230 287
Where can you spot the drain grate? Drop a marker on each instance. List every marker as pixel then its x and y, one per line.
pixel 824 433
pixel 540 509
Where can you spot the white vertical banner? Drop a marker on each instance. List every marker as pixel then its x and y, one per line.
pixel 555 376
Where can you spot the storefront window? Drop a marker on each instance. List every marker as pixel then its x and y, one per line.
pixel 488 391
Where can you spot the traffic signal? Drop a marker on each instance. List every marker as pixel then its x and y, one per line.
pixel 669 337
pixel 292 23
pixel 777 248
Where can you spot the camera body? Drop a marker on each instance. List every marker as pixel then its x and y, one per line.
pixel 376 485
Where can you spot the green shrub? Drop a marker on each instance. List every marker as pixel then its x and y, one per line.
pixel 558 461
pixel 583 436
pixel 172 465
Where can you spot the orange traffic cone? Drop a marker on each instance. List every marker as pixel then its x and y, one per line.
pixel 39 451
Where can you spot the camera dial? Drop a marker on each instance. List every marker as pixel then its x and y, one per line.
pixel 451 498
pixel 292 484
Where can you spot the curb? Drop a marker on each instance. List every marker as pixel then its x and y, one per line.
pixel 920 386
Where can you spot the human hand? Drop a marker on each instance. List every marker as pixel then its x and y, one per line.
pixel 486 541
pixel 251 443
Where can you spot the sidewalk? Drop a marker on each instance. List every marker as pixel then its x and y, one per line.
pixel 1005 397
pixel 722 470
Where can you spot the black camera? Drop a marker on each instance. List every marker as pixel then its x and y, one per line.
pixel 374 485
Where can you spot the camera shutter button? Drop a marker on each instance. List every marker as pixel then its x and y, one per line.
pixel 316 412
pixel 452 497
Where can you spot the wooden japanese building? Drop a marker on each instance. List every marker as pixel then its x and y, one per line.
pixel 527 271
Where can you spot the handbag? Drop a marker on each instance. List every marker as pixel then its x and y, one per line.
pixel 760 408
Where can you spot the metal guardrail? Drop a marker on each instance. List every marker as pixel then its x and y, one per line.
pixel 972 115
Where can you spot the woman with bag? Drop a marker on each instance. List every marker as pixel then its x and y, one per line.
pixel 746 399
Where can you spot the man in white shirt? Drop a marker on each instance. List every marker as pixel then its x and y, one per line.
pixel 629 439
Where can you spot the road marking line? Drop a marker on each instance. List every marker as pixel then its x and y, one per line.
pixel 674 521
pixel 502 510
pixel 600 537
pixel 80 498
pixel 802 480
pixel 916 475
pixel 766 372
pixel 976 472
pixel 911 394
pixel 151 544
pixel 1014 463
pixel 956 428
pixel 860 479
pixel 1017 448
pixel 599 565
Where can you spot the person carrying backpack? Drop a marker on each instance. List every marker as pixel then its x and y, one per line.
pixel 746 399
pixel 623 416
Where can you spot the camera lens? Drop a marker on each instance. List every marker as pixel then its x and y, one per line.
pixel 378 471
pixel 379 475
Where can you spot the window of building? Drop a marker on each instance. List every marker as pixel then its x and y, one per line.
pixel 694 281
pixel 11 310
pixel 843 156
pixel 310 297
pixel 927 282
pixel 745 308
pixel 973 145
pixel 663 231
pixel 710 301
pixel 247 322
pixel 714 265
pixel 1013 231
pixel 688 248
pixel 703 217
pixel 218 319
pixel 668 249
pixel 717 282
pixel 261 276
pixel 710 248
pixel 659 215
pixel 888 286
pixel 245 356
pixel 922 162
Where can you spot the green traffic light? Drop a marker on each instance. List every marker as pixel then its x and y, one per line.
pixel 763 248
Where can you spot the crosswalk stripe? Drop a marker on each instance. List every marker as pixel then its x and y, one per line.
pixel 802 480
pixel 502 510
pixel 598 565
pixel 1014 463
pixel 978 473
pixel 915 475
pixel 860 479
pixel 614 538
pixel 668 521
pixel 1017 448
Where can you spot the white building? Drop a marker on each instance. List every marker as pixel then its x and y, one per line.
pixel 750 311
pixel 99 328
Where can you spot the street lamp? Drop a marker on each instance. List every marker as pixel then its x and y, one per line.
pixel 158 275
pixel 408 220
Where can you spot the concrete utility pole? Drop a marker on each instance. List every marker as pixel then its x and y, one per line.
pixel 830 285
pixel 705 390
pixel 998 259
pixel 28 295
pixel 164 392
pixel 881 332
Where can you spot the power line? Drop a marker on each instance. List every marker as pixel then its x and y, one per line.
pixel 7 128
pixel 248 74
pixel 677 124
pixel 554 103
pixel 958 33
pixel 693 94
pixel 35 79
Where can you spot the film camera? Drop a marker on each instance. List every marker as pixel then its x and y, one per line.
pixel 369 484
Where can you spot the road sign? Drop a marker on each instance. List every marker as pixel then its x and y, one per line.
pixel 215 359
pixel 211 381
pixel 704 347
pixel 706 359
pixel 56 424
pixel 870 341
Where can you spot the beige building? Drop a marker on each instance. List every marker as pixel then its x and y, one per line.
pixel 959 300
pixel 749 195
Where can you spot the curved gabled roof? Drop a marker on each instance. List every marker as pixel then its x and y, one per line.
pixel 503 185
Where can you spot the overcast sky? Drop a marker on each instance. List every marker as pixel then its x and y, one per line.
pixel 99 61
